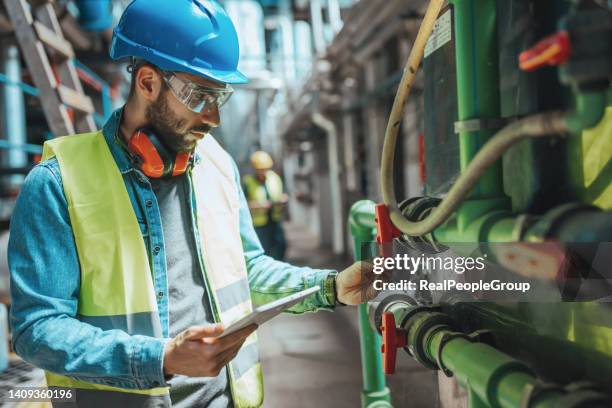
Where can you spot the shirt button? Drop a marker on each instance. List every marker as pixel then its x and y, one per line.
pixel 149 203
pixel 160 294
pixel 156 250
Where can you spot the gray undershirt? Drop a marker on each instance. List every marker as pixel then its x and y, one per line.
pixel 188 302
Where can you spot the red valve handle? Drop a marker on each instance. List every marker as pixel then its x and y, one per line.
pixel 385 230
pixel 552 50
pixel 393 338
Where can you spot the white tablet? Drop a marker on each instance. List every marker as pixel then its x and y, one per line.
pixel 263 313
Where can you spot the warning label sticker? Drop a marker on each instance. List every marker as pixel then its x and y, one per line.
pixel 441 34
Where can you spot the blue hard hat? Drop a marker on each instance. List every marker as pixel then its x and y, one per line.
pixel 193 36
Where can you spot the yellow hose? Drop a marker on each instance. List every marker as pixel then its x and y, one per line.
pixel 405 86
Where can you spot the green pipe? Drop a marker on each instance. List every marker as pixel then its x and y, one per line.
pixel 491 377
pixel 478 97
pixel 375 393
pixel 476 58
pixel 477 83
pixel 590 108
pixel 361 219
pixel 494 226
pixel 474 400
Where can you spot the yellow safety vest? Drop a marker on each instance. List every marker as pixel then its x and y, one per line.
pixel 255 191
pixel 116 288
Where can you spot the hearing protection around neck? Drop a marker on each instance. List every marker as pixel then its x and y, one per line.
pixel 155 160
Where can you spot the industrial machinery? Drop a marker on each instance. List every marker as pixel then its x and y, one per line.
pixel 518 147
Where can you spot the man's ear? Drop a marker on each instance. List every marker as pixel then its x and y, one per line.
pixel 148 83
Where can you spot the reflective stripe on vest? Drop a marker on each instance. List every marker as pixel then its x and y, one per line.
pixel 255 191
pixel 218 220
pixel 116 289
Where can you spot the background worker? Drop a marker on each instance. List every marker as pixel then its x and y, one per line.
pixel 266 198
pixel 130 245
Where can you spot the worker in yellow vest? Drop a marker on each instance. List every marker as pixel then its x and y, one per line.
pixel 132 248
pixel 266 198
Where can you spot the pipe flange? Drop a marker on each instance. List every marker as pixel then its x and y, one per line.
pixel 446 337
pixel 384 306
pixel 501 370
pixel 437 321
pixel 410 314
pixel 416 209
pixel 479 336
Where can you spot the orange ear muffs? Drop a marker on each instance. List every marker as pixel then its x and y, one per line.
pixel 155 160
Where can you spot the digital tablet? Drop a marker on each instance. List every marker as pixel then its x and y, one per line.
pixel 263 313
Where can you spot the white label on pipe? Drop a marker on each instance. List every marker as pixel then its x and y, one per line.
pixel 441 33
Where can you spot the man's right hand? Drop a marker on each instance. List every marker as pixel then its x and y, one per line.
pixel 197 352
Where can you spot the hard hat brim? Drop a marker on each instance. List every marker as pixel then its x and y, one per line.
pixel 123 47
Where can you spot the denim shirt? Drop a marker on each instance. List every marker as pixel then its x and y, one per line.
pixel 45 280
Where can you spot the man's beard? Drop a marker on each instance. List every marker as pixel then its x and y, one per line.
pixel 164 123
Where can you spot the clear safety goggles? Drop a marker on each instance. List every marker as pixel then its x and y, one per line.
pixel 196 97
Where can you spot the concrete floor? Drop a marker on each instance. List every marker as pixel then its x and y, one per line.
pixel 313 360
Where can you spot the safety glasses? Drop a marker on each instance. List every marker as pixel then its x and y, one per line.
pixel 196 97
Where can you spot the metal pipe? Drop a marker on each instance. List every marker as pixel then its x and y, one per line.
pixel 288 48
pixel 334 179
pixel 349 151
pixel 14 111
pixel 303 48
pixel 375 392
pixel 335 19
pixel 30 90
pixel 24 147
pixel 316 18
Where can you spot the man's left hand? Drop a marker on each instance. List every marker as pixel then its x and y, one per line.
pixel 354 284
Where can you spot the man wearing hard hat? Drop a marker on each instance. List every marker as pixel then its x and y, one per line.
pixel 266 198
pixel 131 248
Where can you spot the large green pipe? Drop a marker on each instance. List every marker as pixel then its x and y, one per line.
pixel 477 83
pixel 491 377
pixel 375 393
pixel 476 58
pixel 588 112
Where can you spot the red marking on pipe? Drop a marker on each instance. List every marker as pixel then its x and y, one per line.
pixel 422 174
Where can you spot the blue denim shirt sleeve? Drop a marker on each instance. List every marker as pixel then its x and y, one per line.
pixel 45 281
pixel 270 279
